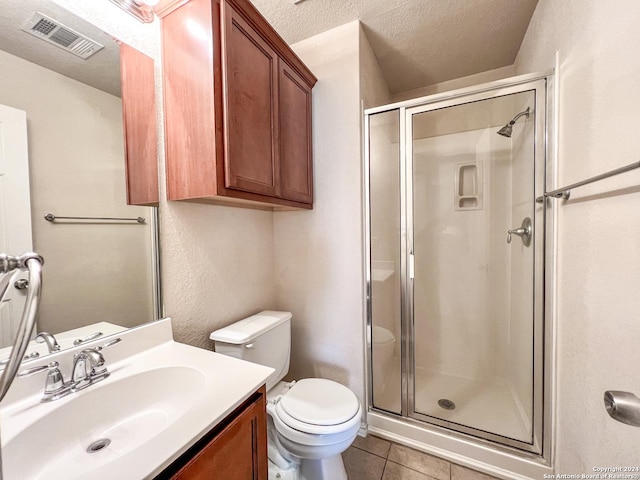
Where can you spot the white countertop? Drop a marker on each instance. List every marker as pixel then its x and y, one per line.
pixel 228 382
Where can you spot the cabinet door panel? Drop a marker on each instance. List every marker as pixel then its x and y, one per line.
pixel 139 120
pixel 295 136
pixel 239 452
pixel 250 72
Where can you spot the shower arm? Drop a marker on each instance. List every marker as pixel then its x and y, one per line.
pixel 527 112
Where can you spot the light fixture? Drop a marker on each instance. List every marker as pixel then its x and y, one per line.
pixel 141 9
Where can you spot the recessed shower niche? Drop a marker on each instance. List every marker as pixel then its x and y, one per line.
pixel 468 186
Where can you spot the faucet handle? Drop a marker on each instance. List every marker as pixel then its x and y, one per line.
pixel 33 370
pixel 54 378
pixel 54 384
pixel 109 343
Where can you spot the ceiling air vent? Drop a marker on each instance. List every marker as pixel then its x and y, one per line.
pixel 56 33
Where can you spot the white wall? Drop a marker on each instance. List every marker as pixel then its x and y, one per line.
pixel 76 161
pixel 599 232
pixel 318 254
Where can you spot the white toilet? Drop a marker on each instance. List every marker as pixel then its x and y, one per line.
pixel 311 421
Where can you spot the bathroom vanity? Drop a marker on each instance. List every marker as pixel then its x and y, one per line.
pixel 235 448
pixel 166 410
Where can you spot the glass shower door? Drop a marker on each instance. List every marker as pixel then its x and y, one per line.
pixel 385 282
pixel 475 265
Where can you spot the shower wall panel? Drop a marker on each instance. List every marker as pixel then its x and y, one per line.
pixel 462 278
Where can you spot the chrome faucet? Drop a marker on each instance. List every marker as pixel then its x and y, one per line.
pixel 88 368
pixel 50 340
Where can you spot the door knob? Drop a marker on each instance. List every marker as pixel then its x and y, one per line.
pixel 524 232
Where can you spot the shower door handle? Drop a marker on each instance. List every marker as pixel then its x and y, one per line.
pixel 524 231
pixel 412 266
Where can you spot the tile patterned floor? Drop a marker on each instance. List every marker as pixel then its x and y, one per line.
pixel 373 458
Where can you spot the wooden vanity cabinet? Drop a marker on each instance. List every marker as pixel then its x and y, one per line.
pixel 237 108
pixel 235 449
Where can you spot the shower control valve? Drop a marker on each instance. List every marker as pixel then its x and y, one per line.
pixel 524 232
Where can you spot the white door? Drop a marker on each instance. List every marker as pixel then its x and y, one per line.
pixel 15 211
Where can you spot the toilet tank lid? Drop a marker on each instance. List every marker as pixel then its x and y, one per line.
pixel 246 330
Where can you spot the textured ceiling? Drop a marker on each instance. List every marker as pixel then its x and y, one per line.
pixel 416 42
pixel 101 70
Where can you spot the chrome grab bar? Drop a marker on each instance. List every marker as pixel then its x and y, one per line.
pixel 33 263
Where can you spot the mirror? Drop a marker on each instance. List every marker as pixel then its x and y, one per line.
pixel 101 273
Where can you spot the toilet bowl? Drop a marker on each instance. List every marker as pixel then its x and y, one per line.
pixel 311 421
pixel 384 344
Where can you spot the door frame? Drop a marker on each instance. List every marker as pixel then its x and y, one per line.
pixel 539 87
pixel 15 211
pixel 544 336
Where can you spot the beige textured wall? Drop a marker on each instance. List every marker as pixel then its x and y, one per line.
pixel 217 267
pixel 373 88
pixel 318 254
pixel 598 230
pixel 76 157
pixel 478 78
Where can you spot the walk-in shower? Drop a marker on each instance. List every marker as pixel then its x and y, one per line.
pixel 455 271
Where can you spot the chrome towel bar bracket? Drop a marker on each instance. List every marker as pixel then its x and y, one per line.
pixel 565 192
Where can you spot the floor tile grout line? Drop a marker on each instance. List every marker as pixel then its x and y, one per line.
pixel 414 470
pixel 367 451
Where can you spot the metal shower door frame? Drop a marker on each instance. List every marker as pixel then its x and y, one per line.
pixel 407 213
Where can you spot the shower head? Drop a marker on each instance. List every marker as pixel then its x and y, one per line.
pixel 507 130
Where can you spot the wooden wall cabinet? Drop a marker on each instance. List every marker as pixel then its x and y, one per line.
pixel 236 449
pixel 237 108
pixel 139 123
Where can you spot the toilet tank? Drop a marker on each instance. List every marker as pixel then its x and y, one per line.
pixel 263 338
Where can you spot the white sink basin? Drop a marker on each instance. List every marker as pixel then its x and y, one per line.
pixel 103 413
pixel 150 410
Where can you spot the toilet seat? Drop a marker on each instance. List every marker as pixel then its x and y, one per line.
pixel 318 406
pixel 318 401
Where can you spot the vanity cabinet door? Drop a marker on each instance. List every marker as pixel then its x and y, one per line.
pixel 250 69
pixel 236 450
